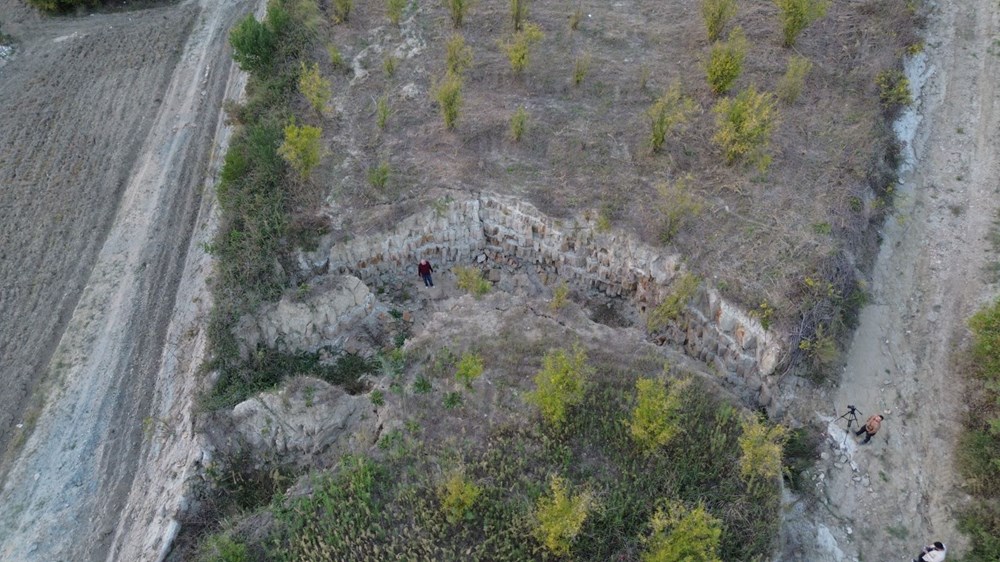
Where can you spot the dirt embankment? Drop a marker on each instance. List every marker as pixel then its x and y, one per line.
pixel 107 126
pixel 886 499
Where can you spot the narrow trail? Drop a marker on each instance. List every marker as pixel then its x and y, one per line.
pixel 882 501
pixel 65 494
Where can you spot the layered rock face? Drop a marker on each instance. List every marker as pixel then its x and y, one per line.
pixel 505 237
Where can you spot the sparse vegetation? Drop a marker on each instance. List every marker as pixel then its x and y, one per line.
pixel 314 86
pixel 336 58
pixel 458 10
pixel 790 85
pixel 448 93
pixel 716 14
pixel 560 295
pixel 671 111
pixel 389 64
pixel 671 307
pixel 518 47
pixel 561 384
pixel 559 516
pixel 382 111
pixel 745 124
pixel 581 66
pixel 471 280
pixel 394 10
pixel 725 63
pixel 797 15
pixel 518 121
pixel 342 10
pixel 678 206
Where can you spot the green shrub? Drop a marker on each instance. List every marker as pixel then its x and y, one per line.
pixel 981 523
pixel 222 548
pixel 389 64
pixel 581 66
pixel 559 517
pixel 677 207
pixel 985 326
pixel 378 176
pixel 560 295
pixel 378 398
pixel 796 15
pixel 671 111
pixel 382 111
pixel 517 123
pixel 302 149
pixel 682 534
pixel 672 306
pixel 458 10
pixel 470 280
pixel 790 85
pixel 336 58
pixel 342 10
pixel 561 384
pixel 314 87
pixel 421 385
pixel 458 496
pixel 744 126
pixel 458 55
pixel 893 88
pixel 448 93
pixel 394 10
pixel 717 14
pixel 761 448
pixel 519 46
pixel 656 418
pixel 470 367
pixel 725 63
pixel 452 400
pixel 518 13
pixel 253 45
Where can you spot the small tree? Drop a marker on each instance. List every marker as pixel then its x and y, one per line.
pixel 796 15
pixel 469 369
pixel 717 14
pixel 458 55
pixel 744 127
pixel 314 87
pixel 394 10
pixel 725 63
pixel 656 418
pixel 253 45
pixel 458 9
pixel 518 13
pixel 681 534
pixel 518 121
pixel 561 384
pixel 382 111
pixel 448 93
pixel 790 85
pixel 581 66
pixel 559 517
pixel 760 446
pixel 519 46
pixel 458 495
pixel 672 110
pixel 677 206
pixel 302 149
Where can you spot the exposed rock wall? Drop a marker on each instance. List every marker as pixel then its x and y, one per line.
pixel 492 232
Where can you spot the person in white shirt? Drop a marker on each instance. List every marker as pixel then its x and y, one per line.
pixel 932 553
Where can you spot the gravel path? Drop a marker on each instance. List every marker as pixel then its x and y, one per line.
pixel 110 121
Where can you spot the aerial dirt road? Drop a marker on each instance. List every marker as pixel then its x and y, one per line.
pixel 884 500
pixel 106 131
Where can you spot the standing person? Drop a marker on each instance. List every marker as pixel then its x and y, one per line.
pixel 424 269
pixel 871 427
pixel 932 553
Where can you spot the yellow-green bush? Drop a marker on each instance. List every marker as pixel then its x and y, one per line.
pixel 458 55
pixel 744 125
pixel 677 207
pixel 394 10
pixel 470 279
pixel 725 62
pixel 458 495
pixel 671 111
pixel 313 86
pixel 893 88
pixel 760 447
pixel 656 417
pixel 672 306
pixel 518 121
pixel 302 149
pixel 448 93
pixel 560 516
pixel 469 369
pixel 518 13
pixel 518 47
pixel 342 10
pixel 790 85
pixel 682 534
pixel 457 9
pixel 796 15
pixel 561 384
pixel 560 295
pixel 717 14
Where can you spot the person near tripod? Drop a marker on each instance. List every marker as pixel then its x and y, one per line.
pixel 870 428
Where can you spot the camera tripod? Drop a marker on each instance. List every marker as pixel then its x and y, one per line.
pixel 851 415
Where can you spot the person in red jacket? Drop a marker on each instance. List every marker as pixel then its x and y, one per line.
pixel 424 269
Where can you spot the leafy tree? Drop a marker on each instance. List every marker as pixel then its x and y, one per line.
pixel 302 149
pixel 656 418
pixel 314 87
pixel 725 63
pixel 717 14
pixel 761 446
pixel 796 15
pixel 561 383
pixel 671 111
pixel 559 517
pixel 744 126
pixel 519 46
pixel 681 534
pixel 253 45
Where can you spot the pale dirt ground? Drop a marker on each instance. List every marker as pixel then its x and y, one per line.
pixel 928 280
pixel 99 212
